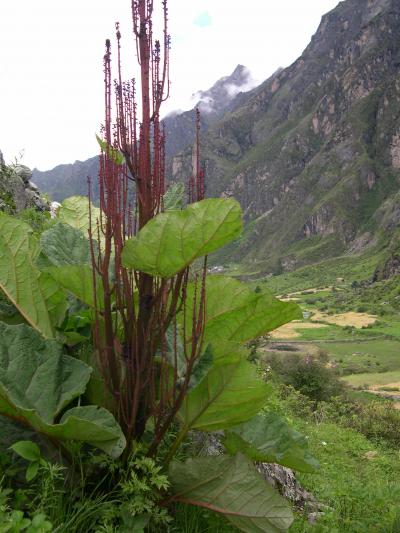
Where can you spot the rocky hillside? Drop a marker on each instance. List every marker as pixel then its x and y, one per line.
pixel 313 154
pixel 17 192
pixel 226 94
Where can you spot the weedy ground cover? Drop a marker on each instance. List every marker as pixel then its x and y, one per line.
pixel 360 481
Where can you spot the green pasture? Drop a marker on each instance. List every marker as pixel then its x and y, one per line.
pixel 369 379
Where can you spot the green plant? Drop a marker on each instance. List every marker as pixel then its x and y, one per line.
pixel 210 377
pixel 16 521
pixel 29 451
pixel 38 220
pixel 308 375
pixel 167 339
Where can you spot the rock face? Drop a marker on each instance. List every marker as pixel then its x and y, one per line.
pixel 313 154
pixel 390 268
pixel 17 192
pixel 223 96
pixel 279 477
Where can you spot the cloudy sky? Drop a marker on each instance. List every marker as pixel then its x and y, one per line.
pixel 51 100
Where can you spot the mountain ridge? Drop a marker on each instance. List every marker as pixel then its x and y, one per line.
pixel 313 154
pixel 180 127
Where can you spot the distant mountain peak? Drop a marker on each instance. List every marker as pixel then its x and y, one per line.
pixel 215 99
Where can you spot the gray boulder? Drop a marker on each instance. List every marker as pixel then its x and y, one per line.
pixel 17 192
pixel 24 172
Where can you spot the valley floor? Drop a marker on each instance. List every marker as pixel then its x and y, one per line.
pixel 355 328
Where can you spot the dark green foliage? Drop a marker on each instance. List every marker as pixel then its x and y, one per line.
pixel 38 220
pixel 308 375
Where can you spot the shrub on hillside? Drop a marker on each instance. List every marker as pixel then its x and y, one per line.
pixel 308 375
pixel 378 420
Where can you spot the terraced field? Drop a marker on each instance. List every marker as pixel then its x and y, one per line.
pixel 364 347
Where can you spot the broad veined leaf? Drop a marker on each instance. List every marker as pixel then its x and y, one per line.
pixel 236 313
pixel 75 212
pixel 27 449
pixel 174 197
pixel 173 240
pixel 78 280
pixel 37 382
pixel 35 374
pixel 175 356
pixel 65 245
pixel 231 486
pixel 77 327
pixel 37 296
pixel 94 425
pixel 114 154
pixel 32 471
pixel 228 395
pixel 55 299
pixel 268 438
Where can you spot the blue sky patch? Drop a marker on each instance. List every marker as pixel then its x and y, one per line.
pixel 203 20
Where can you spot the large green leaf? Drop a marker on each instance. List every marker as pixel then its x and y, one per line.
pixel 268 438
pixel 228 395
pixel 34 374
pixel 65 245
pixel 174 197
pixel 173 240
pixel 236 313
pixel 37 382
pixel 114 154
pixel 75 212
pixel 36 295
pixel 92 424
pixel 175 356
pixel 78 280
pixel 231 486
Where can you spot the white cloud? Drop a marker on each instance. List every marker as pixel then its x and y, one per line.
pixel 51 61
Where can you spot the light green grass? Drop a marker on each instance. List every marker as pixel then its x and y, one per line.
pixel 363 494
pixel 351 268
pixel 336 333
pixel 373 378
pixel 370 356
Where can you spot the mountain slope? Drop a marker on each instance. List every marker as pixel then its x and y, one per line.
pixel 313 154
pixel 68 180
pixel 180 127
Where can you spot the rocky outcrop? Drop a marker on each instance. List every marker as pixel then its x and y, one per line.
pixel 388 269
pixel 281 478
pixel 17 191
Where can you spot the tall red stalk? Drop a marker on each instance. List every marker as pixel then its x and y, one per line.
pixel 137 309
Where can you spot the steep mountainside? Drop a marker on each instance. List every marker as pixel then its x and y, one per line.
pixel 68 180
pixel 313 154
pixel 225 95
